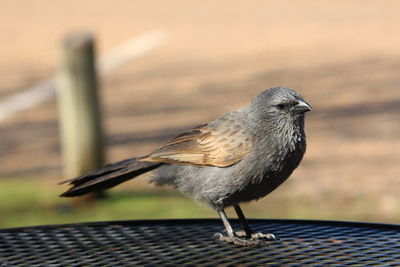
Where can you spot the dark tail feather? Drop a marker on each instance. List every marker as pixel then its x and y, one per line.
pixel 107 177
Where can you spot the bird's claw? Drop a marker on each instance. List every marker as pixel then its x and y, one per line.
pixel 241 239
pixel 257 236
pixel 238 241
pixel 262 236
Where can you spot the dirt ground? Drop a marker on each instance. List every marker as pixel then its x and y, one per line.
pixel 343 56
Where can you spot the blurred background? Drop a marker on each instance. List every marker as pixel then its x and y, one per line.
pixel 205 58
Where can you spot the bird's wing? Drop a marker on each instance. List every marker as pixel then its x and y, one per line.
pixel 220 146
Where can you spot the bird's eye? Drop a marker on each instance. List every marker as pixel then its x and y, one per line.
pixel 280 106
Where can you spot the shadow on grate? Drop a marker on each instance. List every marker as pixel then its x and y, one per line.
pixel 190 242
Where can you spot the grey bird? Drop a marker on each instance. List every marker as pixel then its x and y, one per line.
pixel 239 157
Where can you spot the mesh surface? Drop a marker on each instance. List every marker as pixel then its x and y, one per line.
pixel 190 242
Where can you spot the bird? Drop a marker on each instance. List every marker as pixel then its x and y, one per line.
pixel 237 158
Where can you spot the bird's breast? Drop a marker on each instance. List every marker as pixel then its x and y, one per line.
pixel 269 170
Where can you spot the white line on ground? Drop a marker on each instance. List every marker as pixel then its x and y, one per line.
pixel 44 91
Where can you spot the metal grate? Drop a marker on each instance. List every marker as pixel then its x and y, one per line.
pixel 190 242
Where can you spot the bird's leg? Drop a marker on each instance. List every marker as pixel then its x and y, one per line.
pixel 226 223
pixel 232 237
pixel 247 230
pixel 243 221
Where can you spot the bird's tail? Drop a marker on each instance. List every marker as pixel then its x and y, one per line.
pixel 108 176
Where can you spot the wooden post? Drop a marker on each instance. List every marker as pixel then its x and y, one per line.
pixel 80 118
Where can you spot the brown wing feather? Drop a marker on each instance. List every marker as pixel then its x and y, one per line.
pixel 205 146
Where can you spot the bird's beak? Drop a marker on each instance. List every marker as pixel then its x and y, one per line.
pixel 302 107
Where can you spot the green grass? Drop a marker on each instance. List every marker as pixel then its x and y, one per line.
pixel 27 202
pixel 24 203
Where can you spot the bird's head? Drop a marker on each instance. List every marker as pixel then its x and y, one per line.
pixel 279 106
pixel 281 101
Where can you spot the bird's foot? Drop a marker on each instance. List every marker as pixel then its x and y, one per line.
pixel 239 241
pixel 257 236
pixel 262 236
